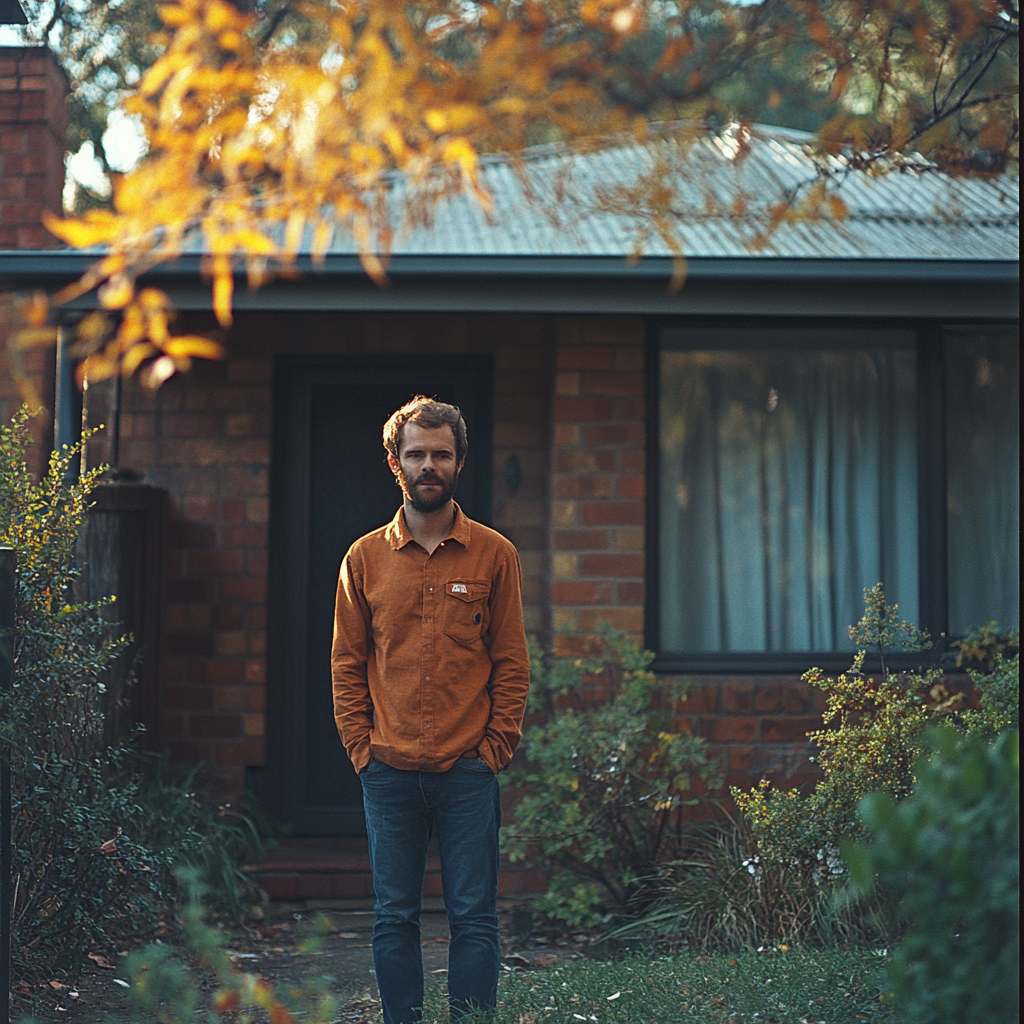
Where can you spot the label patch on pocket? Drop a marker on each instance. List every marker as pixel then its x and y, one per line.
pixel 460 588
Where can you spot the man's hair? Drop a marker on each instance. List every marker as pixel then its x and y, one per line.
pixel 429 413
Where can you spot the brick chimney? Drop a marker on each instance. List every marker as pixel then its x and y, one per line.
pixel 33 131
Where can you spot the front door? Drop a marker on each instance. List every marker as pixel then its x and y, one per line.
pixel 331 485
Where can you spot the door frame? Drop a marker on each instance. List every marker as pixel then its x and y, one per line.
pixel 287 612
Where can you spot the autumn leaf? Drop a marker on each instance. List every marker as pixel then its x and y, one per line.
pixel 249 144
pixel 227 1001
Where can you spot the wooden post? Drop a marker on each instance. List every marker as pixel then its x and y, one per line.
pixel 7 562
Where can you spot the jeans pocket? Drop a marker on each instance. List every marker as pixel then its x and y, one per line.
pixel 373 766
pixel 475 764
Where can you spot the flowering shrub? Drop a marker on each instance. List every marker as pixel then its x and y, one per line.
pixel 870 743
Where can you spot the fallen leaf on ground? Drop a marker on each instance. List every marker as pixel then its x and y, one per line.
pixel 57 984
pixel 100 961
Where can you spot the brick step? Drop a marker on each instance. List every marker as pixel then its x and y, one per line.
pixel 339 868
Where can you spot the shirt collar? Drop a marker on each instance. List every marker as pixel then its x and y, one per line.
pixel 398 534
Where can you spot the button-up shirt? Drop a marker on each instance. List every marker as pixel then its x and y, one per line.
pixel 429 660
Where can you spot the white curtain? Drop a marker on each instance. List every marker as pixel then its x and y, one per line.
pixel 788 484
pixel 982 369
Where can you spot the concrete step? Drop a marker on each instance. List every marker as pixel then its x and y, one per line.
pixel 338 868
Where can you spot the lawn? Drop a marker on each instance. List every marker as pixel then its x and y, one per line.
pixel 774 986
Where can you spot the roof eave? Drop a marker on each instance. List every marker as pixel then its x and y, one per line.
pixel 26 267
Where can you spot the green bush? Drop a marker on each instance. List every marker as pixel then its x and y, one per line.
pixel 79 865
pixel 950 852
pixel 94 838
pixel 606 776
pixel 870 743
pixel 985 653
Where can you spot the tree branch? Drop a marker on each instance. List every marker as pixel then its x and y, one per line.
pixel 981 74
pixel 58 11
pixel 274 24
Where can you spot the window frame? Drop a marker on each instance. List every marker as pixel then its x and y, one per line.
pixel 933 579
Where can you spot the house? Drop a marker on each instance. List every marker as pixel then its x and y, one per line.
pixel 719 470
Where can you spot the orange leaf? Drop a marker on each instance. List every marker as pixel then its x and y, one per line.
pixel 818 31
pixel 116 293
pixel 33 337
pixel 837 207
pixel 95 228
pixel 186 345
pixel 36 310
pixel 223 289
pixel 135 356
pixel 227 1001
pixel 279 1015
pixel 157 372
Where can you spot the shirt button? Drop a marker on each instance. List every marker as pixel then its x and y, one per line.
pixel 431 589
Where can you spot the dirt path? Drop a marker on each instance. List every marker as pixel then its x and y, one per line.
pixel 274 951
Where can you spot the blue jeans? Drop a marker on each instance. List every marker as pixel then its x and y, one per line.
pixel 402 809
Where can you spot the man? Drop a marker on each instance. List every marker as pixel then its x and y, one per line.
pixel 430 671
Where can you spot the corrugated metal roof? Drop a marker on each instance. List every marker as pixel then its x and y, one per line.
pixel 552 206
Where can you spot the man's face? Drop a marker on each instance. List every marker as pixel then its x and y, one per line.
pixel 426 469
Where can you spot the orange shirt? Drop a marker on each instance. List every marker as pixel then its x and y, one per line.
pixel 429 660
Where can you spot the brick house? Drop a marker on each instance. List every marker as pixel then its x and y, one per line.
pixel 719 471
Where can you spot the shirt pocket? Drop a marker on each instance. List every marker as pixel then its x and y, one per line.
pixel 465 607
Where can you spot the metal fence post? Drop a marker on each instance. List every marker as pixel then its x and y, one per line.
pixel 7 562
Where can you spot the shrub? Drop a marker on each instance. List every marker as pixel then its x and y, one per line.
pixel 985 653
pixel 94 840
pixel 606 779
pixel 870 743
pixel 78 864
pixel 950 851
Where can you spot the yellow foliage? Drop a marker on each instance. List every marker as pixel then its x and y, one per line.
pixel 244 135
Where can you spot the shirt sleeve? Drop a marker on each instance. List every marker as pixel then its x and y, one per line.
pixel 353 708
pixel 510 665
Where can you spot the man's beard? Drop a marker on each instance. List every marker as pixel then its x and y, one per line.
pixel 434 502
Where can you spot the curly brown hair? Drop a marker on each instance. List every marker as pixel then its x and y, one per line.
pixel 429 413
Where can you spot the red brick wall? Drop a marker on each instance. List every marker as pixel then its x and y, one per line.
pixel 597 481
pixel 33 125
pixel 756 726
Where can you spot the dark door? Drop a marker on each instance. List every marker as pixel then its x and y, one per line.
pixel 331 485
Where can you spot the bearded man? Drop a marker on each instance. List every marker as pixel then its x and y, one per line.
pixel 430 672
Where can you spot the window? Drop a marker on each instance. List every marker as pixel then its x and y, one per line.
pixel 793 471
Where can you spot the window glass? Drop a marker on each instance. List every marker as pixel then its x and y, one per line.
pixel 982 370
pixel 788 484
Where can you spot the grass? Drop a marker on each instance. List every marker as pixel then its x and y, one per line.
pixel 780 985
